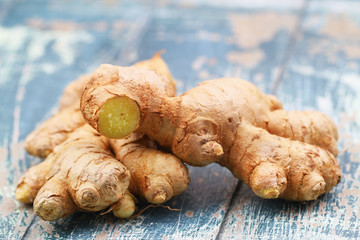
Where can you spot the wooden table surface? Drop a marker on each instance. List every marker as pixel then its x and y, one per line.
pixel 305 52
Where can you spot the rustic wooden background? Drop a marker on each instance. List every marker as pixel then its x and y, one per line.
pixel 305 52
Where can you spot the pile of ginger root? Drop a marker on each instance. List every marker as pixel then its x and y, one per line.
pixel 121 134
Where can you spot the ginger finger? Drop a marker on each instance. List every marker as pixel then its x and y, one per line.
pixel 31 182
pixel 73 90
pixel 85 176
pixel 267 180
pixel 308 126
pixel 155 176
pixel 42 141
pixel 125 207
pixel 276 167
pixel 53 201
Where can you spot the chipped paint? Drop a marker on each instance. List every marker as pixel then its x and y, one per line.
pixel 249 59
pixel 352 51
pixel 341 27
pixel 337 28
pixel 204 75
pixel 66 26
pixel 254 4
pixel 332 49
pixel 202 65
pixel 325 48
pixel 251 30
pixel 208 36
pixel 198 63
pixel 4 155
pixel 37 43
pixel 353 66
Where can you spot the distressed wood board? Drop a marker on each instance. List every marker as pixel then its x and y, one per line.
pixel 305 52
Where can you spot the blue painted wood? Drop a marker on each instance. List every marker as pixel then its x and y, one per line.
pixel 281 47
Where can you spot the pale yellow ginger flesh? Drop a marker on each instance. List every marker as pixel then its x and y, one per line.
pixel 119 117
pixel 31 182
pixel 23 193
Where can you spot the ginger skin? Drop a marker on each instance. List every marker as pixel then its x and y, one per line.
pixel 84 176
pixel 279 154
pixel 42 141
pixel 155 176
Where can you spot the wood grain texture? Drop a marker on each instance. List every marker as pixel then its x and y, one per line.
pixel 307 52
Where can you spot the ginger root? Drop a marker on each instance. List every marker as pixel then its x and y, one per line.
pixel 66 181
pixel 125 207
pixel 155 176
pixel 279 154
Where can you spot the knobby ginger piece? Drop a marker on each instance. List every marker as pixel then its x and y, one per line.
pixel 278 153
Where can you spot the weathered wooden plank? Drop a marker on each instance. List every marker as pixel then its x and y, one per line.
pixel 14 218
pixel 323 74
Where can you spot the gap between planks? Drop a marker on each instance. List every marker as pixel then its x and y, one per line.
pixel 294 37
pixel 279 77
pixel 232 200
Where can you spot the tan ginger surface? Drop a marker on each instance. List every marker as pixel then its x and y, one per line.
pixel 42 141
pixel 81 174
pixel 278 153
pixel 155 176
